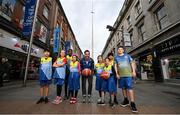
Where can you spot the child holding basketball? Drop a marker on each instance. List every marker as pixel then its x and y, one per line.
pixel 109 82
pixel 99 67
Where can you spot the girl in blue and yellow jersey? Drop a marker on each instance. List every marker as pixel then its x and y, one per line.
pixel 45 75
pixel 59 75
pixel 110 82
pixel 74 77
pixel 112 62
pixel 99 67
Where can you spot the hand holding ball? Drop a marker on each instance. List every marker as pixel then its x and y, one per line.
pixel 86 72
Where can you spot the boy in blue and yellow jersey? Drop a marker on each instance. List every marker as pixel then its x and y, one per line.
pixel 109 84
pixel 99 68
pixel 74 79
pixel 59 75
pixel 111 60
pixel 45 75
pixel 69 59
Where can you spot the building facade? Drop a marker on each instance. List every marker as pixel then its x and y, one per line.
pixel 153 28
pixel 14 46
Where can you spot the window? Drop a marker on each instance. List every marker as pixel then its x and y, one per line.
pixel 129 20
pixel 150 1
pixel 131 37
pixel 40 31
pixel 161 18
pixel 7 8
pixel 142 33
pixel 138 8
pixel 46 12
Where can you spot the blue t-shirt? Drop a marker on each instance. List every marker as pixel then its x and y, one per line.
pixel 124 65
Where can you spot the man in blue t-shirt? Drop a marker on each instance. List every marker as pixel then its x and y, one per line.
pixel 125 71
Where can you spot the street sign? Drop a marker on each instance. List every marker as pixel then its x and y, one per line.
pixel 127 39
pixel 56 40
pixel 28 17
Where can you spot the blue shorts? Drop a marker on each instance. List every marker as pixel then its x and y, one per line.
pixel 58 81
pixel 45 82
pixel 126 83
pixel 99 82
pixel 74 81
pixel 111 85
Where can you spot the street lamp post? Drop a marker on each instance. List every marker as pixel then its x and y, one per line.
pixel 110 28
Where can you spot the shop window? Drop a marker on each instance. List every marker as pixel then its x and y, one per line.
pixel 161 18
pixel 173 68
pixel 7 8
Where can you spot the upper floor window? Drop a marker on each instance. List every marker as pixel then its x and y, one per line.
pixel 138 8
pixel 129 20
pixel 142 33
pixel 161 17
pixel 46 12
pixel 7 8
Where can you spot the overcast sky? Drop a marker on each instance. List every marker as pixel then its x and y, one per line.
pixel 79 15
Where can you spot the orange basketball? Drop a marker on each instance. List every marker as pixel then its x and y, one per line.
pixel 105 75
pixel 86 72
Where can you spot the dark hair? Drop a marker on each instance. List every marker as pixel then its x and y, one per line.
pixel 121 47
pixel 99 56
pixel 46 50
pixel 86 51
pixel 106 58
pixel 70 50
pixel 110 54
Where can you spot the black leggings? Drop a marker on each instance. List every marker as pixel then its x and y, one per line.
pixel 59 89
pixel 72 93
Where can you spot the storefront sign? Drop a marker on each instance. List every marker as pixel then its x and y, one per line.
pixel 169 46
pixel 13 42
pixel 29 16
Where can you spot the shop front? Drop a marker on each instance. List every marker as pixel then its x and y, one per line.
pixel 15 51
pixel 169 54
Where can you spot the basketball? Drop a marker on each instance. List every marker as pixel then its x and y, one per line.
pixel 86 72
pixel 105 75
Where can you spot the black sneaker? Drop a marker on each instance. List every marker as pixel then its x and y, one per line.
pixel 125 102
pixel 101 103
pixel 112 105
pixel 66 97
pixel 46 100
pixel 133 107
pixel 115 101
pixel 40 100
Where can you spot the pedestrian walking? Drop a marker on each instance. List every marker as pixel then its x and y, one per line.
pixel 45 76
pixel 87 66
pixel 99 68
pixel 5 67
pixel 59 75
pixel 74 79
pixel 125 71
pixel 69 59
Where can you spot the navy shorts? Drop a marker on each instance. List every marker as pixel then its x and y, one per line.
pixel 126 83
pixel 45 82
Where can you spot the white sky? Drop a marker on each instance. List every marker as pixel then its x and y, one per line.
pixel 79 16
